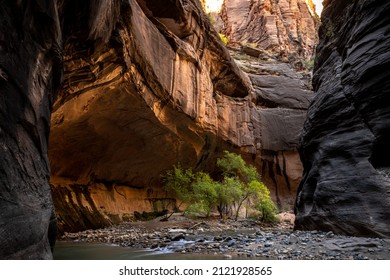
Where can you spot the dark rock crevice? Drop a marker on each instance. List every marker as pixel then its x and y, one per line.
pixel 343 148
pixel 31 75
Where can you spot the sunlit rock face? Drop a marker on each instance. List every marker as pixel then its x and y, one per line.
pixel 345 142
pixel 285 27
pixel 159 90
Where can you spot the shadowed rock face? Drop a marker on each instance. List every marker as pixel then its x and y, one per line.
pixel 281 97
pixel 30 72
pixel 345 143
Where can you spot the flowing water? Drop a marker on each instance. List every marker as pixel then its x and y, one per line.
pixel 65 250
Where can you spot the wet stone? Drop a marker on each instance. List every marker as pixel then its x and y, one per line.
pixel 262 243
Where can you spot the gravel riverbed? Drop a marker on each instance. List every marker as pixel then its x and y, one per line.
pixel 236 239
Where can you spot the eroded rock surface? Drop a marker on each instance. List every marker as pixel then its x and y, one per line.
pixel 145 85
pixel 281 97
pixel 163 90
pixel 284 27
pixel 30 72
pixel 344 147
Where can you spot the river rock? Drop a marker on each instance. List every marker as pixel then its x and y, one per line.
pixel 178 237
pixel 316 246
pixel 231 243
pixel 293 239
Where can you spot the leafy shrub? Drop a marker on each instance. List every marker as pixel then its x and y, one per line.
pixel 268 210
pixel 265 204
pixel 224 39
pixel 196 190
pixel 179 182
pixel 233 166
pixel 240 185
pixel 204 194
pixel 228 192
pixel 309 64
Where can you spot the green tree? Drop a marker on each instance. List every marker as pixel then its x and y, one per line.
pixel 252 190
pixel 197 190
pixel 204 197
pixel 233 165
pixel 249 193
pixel 241 185
pixel 228 192
pixel 178 181
pixel 265 205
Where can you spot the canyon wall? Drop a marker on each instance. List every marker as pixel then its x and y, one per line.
pixel 345 143
pixel 162 90
pixel 30 73
pixel 286 28
pixel 134 87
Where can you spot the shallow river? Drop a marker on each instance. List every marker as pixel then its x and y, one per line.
pixel 95 251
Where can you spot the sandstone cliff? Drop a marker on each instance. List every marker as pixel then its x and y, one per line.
pixel 286 28
pixel 345 144
pixel 137 86
pixel 161 90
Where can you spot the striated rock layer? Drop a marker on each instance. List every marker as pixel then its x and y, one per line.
pixel 161 89
pixel 287 28
pixel 345 143
pixel 145 85
pixel 30 72
pixel 281 97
